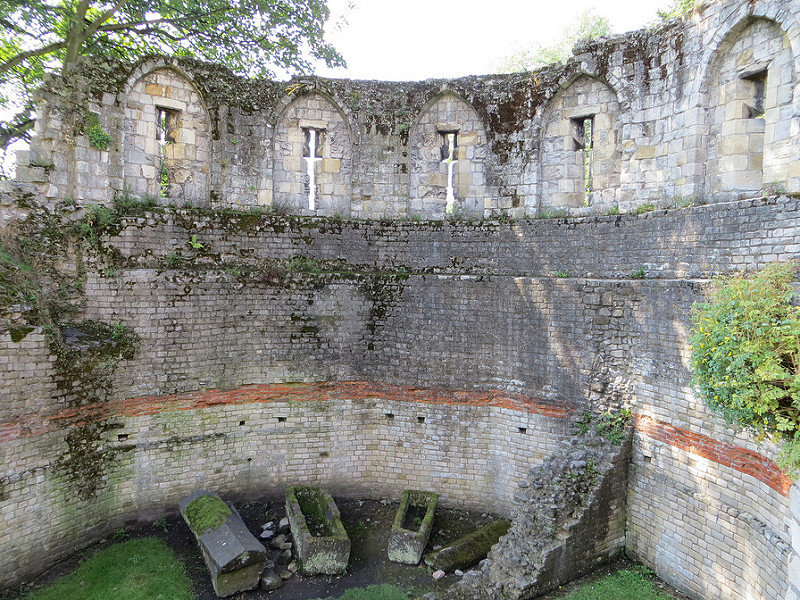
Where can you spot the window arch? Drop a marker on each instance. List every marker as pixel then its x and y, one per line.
pixel 312 166
pixel 447 156
pixel 167 139
pixel 580 157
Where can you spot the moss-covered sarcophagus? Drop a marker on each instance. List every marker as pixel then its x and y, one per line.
pixel 412 526
pixel 321 541
pixel 468 550
pixel 234 557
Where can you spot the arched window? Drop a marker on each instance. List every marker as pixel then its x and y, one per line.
pixel 750 111
pixel 447 157
pixel 166 139
pixel 580 159
pixel 312 158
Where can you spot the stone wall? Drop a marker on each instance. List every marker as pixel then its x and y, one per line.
pixel 371 356
pixel 374 355
pixel 703 109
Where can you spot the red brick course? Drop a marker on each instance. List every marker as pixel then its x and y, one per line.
pixel 735 457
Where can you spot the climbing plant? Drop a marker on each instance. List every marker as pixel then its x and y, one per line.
pixel 745 356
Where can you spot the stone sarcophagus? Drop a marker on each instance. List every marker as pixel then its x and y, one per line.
pixel 412 526
pixel 234 557
pixel 321 541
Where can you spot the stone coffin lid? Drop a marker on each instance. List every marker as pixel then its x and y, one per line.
pixel 231 545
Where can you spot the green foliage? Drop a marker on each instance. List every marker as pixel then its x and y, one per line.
pixel 304 264
pixel 745 355
pixel 559 213
pixel 161 523
pixel 643 208
pixel 609 425
pixel 141 569
pixel 194 243
pixel 384 591
pixel 627 584
pixel 127 205
pixel 98 138
pixel 258 37
pixel 120 535
pixel 560 273
pixel 173 260
pixel 639 274
pixel 614 210
pixel 679 8
pixel 588 26
pixel 206 513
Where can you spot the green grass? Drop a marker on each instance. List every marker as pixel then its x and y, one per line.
pixel 384 591
pixel 141 569
pixel 628 584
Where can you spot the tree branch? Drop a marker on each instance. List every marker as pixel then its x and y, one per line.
pixel 13 62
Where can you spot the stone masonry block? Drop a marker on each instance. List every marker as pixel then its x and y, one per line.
pixel 234 557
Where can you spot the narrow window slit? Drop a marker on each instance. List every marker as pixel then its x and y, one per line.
pixel 122 437
pixel 522 430
pixel 166 133
pixel 420 419
pixel 314 139
pixel 583 142
pixel 389 416
pixel 281 419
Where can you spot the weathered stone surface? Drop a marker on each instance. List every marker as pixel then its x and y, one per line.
pixel 468 550
pixel 412 526
pixel 234 557
pixel 321 540
pixel 271 581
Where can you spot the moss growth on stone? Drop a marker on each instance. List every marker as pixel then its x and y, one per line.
pixel 468 550
pixel 206 513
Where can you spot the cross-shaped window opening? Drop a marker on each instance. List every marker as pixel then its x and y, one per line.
pixel 313 140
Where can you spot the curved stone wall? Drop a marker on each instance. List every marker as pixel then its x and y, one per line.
pixel 371 357
pixel 353 343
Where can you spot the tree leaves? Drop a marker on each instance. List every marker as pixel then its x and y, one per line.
pixel 256 37
pixel 745 353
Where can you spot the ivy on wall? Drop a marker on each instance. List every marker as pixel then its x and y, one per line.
pixel 745 356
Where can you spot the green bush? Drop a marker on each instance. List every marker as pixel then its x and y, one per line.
pixel 745 356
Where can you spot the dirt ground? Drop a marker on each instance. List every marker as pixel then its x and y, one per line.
pixel 368 523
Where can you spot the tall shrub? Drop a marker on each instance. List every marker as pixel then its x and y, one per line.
pixel 745 356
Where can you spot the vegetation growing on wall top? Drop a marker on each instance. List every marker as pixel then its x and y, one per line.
pixel 745 356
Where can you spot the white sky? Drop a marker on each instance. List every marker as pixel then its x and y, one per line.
pixel 419 39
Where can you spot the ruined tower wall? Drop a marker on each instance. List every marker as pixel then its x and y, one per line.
pixel 701 109
pixel 371 356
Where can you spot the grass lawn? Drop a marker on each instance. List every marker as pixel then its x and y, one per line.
pixel 140 569
pixel 627 584
pixel 384 591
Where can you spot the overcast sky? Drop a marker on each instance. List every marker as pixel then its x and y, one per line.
pixel 418 39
